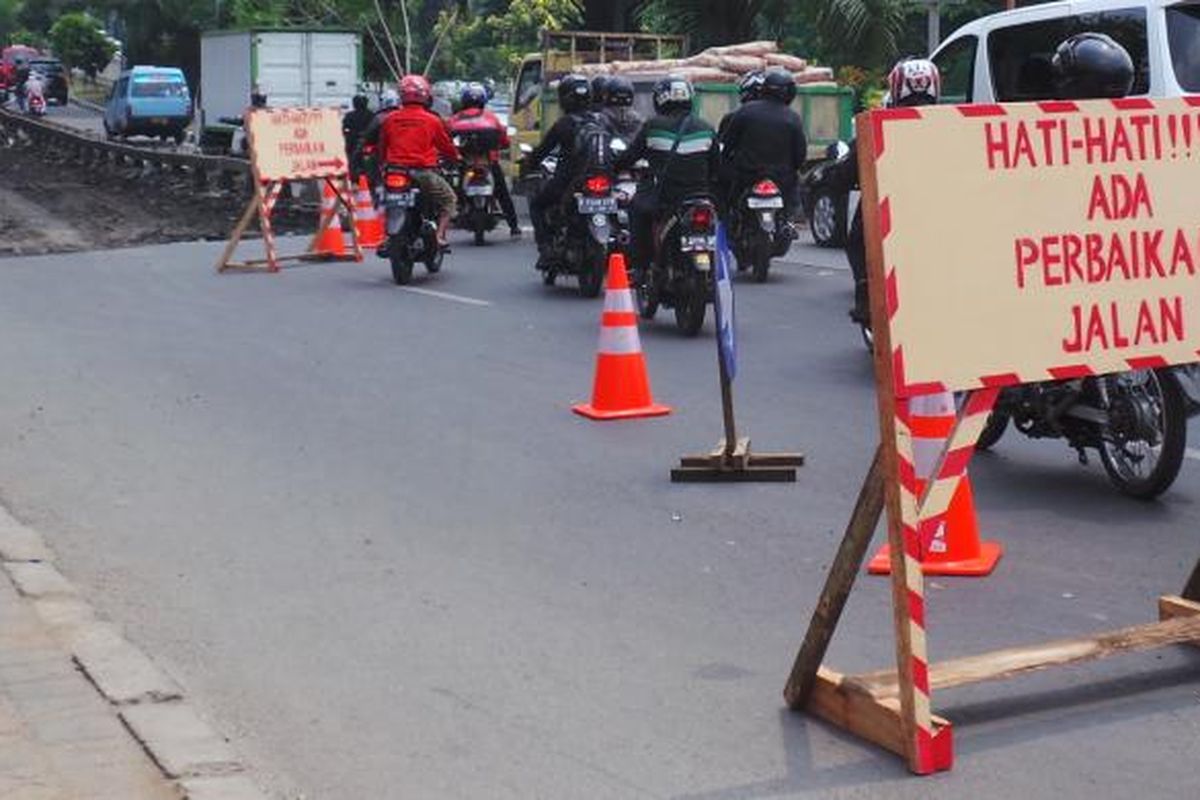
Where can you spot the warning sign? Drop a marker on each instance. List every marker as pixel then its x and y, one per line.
pixel 1030 242
pixel 296 143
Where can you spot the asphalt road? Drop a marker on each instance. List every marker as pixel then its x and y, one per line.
pixel 361 525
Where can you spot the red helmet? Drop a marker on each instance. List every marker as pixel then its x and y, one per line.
pixel 415 91
pixel 914 82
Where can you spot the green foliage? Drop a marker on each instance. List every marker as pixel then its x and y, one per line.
pixel 490 44
pixel 77 40
pixel 713 22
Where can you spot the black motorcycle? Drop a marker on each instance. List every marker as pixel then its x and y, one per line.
pixel 1136 420
pixel 681 278
pixel 411 233
pixel 757 228
pixel 583 225
pixel 478 206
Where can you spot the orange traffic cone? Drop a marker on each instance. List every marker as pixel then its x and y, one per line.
pixel 951 543
pixel 622 388
pixel 367 220
pixel 329 241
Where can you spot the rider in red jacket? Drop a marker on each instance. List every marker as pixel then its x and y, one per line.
pixel 482 133
pixel 414 137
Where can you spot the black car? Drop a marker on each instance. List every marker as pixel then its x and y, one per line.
pixel 55 77
pixel 826 196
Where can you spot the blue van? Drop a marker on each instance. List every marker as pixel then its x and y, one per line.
pixel 152 101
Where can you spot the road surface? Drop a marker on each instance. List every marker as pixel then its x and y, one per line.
pixel 361 525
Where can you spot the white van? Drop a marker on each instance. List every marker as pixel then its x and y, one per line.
pixel 1005 57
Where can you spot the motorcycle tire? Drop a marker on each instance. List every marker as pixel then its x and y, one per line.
pixel 433 261
pixel 591 271
pixel 868 337
pixel 645 297
pixel 762 259
pixel 480 235
pixel 993 429
pixel 691 305
pixel 548 277
pixel 1170 457
pixel 402 267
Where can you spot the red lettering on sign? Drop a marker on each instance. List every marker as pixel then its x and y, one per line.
pixel 1119 199
pixel 1102 326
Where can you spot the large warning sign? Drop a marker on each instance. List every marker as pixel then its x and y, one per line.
pixel 296 143
pixel 1038 241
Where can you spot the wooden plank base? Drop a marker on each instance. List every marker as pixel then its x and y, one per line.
pixel 1172 607
pixel 738 466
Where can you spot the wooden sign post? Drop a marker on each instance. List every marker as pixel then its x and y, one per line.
pixel 1006 244
pixel 293 145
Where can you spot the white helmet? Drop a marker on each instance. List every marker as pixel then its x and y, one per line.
pixel 389 99
pixel 914 82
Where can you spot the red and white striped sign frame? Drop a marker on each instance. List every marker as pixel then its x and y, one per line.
pixel 296 143
pixel 1002 227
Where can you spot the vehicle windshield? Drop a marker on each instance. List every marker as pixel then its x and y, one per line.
pixel 1183 34
pixel 159 87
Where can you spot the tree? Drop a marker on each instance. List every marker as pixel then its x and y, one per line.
pixel 490 45
pixel 712 22
pixel 78 41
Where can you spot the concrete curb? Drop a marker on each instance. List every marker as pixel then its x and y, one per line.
pixel 88 104
pixel 200 762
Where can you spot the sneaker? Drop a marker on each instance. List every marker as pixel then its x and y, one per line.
pixel 514 232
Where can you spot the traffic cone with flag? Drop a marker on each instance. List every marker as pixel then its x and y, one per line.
pixel 621 389
pixel 950 543
pixel 367 220
pixel 329 242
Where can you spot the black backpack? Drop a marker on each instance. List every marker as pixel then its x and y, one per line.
pixel 593 142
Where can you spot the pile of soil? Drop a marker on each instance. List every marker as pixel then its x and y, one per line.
pixel 54 206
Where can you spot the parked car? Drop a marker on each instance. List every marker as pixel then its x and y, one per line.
pixel 1005 57
pixel 10 58
pixel 54 77
pixel 151 101
pixel 828 198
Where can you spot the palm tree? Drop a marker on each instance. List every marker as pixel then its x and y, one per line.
pixel 866 32
pixel 710 22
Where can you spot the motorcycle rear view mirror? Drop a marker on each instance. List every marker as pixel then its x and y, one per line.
pixel 837 150
pixel 525 148
pixel 619 146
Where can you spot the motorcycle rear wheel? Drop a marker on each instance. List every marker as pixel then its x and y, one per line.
pixel 591 271
pixel 644 296
pixel 402 269
pixel 691 304
pixel 762 259
pixel 1165 459
pixel 993 429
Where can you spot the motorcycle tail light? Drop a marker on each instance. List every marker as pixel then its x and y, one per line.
pixel 397 181
pixel 765 188
pixel 702 218
pixel 477 175
pixel 598 185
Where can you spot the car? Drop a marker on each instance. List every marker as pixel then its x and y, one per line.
pixel 151 101
pixel 1005 57
pixel 828 198
pixel 54 75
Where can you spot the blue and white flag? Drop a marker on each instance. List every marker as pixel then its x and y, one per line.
pixel 723 304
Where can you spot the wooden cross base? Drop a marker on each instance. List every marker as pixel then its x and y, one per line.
pixel 737 465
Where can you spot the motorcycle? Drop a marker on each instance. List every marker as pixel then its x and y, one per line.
pixel 682 275
pixel 411 236
pixel 478 206
pixel 35 100
pixel 583 225
pixel 1136 420
pixel 757 228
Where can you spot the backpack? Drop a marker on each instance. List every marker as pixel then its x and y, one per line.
pixel 593 140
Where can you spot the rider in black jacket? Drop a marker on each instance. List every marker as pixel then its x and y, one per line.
pixel 765 138
pixel 682 152
pixel 574 98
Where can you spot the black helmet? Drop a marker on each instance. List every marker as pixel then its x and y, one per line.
pixel 360 102
pixel 750 86
pixel 779 85
pixel 1091 65
pixel 620 91
pixel 574 93
pixel 600 84
pixel 673 94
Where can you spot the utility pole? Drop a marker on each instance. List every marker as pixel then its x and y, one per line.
pixel 933 23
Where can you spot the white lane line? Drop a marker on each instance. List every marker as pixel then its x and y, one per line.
pixel 1192 453
pixel 455 298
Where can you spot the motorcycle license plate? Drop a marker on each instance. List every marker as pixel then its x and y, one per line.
pixel 479 191
pixel 597 205
pixel 401 199
pixel 765 202
pixel 689 244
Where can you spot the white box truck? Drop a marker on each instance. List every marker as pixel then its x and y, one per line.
pixel 291 66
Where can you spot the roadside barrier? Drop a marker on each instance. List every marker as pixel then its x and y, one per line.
pixel 329 241
pixel 949 531
pixel 367 219
pixel 621 389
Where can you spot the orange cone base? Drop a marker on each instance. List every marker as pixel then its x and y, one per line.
pixel 591 412
pixel 977 567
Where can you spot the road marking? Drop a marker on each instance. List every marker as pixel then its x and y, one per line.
pixel 1192 453
pixel 455 298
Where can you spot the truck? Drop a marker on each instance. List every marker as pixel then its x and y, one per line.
pixel 291 66
pixel 826 108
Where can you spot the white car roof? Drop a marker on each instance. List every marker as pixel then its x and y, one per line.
pixel 1051 10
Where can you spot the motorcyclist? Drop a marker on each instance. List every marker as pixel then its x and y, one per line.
pixel 353 125
pixel 682 151
pixel 764 138
pixel 20 78
pixel 474 120
pixel 364 155
pixel 618 107
pixel 749 89
pixel 35 87
pixel 574 98
pixel 912 82
pixel 415 138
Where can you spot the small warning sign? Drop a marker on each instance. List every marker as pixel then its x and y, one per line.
pixel 296 143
